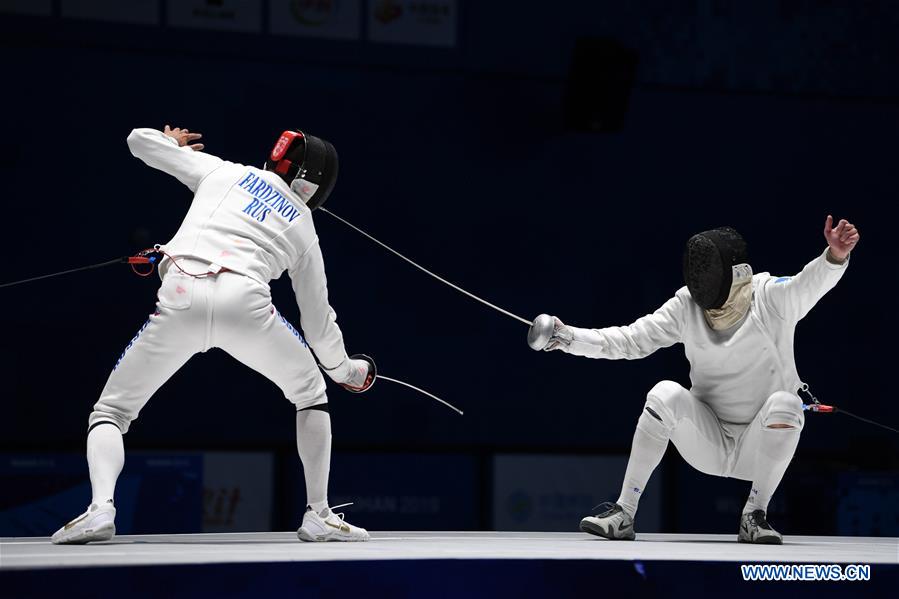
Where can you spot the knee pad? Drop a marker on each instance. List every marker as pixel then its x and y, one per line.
pixel 97 418
pixel 317 400
pixel 783 408
pixel 662 400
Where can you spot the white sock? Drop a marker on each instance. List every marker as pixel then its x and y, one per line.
pixel 775 452
pixel 647 449
pixel 314 447
pixel 105 459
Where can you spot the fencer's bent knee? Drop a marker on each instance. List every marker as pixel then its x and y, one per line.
pixel 662 401
pixel 318 399
pixel 783 408
pixel 98 417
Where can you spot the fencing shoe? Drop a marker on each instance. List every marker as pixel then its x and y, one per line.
pixel 754 528
pixel 96 524
pixel 328 526
pixel 613 523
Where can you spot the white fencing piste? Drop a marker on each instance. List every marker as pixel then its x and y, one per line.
pixel 127 550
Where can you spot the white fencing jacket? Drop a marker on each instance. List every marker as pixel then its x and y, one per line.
pixel 249 221
pixel 736 370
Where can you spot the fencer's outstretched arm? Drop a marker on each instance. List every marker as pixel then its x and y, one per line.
pixel 317 319
pixel 793 297
pixel 165 152
pixel 662 328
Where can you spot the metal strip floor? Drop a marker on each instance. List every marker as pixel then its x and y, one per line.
pixel 33 552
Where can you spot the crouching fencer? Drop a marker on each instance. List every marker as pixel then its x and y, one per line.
pixel 742 416
pixel 244 227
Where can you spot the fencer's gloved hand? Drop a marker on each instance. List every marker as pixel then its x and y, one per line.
pixel 356 374
pixel 562 336
pixel 548 333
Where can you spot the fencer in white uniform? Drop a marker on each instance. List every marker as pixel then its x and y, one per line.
pixel 741 416
pixel 244 228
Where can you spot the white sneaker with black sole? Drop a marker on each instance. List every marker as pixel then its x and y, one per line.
pixel 95 524
pixel 754 528
pixel 329 526
pixel 612 523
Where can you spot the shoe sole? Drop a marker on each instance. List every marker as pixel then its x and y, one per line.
pixel 761 541
pixel 595 529
pixel 308 537
pixel 104 532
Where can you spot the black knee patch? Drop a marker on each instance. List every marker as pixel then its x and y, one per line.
pixel 96 424
pixel 322 407
pixel 653 414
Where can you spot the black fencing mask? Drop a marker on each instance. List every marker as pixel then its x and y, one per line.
pixel 708 265
pixel 307 163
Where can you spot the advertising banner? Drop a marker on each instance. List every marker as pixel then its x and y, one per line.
pixel 225 15
pixel 143 12
pixel 327 19
pixel 533 492
pixel 419 22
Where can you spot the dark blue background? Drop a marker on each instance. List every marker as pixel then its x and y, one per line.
pixel 459 157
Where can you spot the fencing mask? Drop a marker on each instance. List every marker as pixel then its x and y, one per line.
pixel 307 163
pixel 709 259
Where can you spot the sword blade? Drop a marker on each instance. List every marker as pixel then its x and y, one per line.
pixel 428 272
pixel 422 391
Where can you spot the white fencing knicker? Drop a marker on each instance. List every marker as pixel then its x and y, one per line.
pixel 226 310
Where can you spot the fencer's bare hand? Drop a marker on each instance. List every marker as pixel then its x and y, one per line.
pixel 184 137
pixel 841 239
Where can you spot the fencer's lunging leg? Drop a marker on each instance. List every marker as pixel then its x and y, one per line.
pixel 314 447
pixel 672 413
pixel 647 449
pixel 658 419
pixel 654 428
pixel 105 459
pixel 781 421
